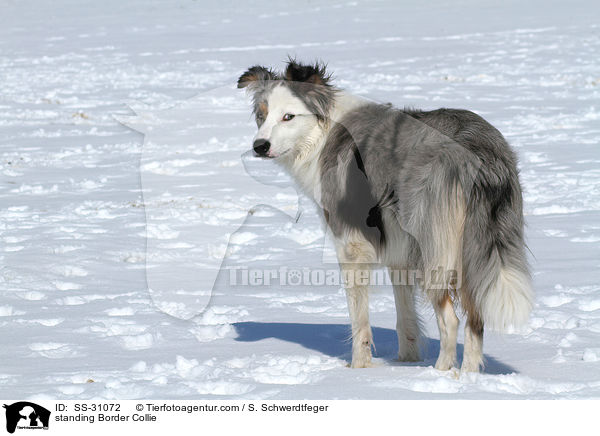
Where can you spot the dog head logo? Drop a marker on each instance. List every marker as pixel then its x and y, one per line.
pixel 26 415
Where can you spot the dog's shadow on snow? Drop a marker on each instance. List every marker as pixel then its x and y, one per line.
pixel 333 340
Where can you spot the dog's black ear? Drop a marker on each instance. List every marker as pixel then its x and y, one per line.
pixel 315 74
pixel 254 75
pixel 311 84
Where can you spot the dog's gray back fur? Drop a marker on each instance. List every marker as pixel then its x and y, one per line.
pixel 393 175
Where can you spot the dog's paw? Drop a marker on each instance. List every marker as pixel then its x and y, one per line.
pixel 445 362
pixel 455 373
pixel 362 360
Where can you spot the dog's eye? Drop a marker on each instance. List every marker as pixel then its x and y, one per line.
pixel 287 117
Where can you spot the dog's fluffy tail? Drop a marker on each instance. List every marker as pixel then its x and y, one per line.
pixel 502 288
pixel 495 267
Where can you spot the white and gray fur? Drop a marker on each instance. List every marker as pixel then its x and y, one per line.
pixel 431 191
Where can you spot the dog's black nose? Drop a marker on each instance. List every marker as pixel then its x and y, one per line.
pixel 261 147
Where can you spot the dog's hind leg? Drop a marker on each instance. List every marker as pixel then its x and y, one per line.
pixel 448 325
pixel 407 323
pixel 473 354
pixel 356 255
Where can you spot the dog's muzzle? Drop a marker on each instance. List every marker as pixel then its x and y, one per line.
pixel 261 147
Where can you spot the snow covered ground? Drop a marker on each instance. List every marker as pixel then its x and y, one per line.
pixel 75 237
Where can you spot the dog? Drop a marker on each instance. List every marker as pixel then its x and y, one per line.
pixel 409 190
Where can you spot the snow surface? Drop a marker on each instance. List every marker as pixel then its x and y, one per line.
pixel 76 239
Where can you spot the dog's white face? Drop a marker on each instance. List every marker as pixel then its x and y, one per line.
pixel 290 108
pixel 284 123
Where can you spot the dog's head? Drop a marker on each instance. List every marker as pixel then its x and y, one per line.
pixel 288 107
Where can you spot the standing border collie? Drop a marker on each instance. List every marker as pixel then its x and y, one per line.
pixel 412 190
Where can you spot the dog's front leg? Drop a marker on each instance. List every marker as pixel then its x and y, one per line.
pixel 358 306
pixel 356 257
